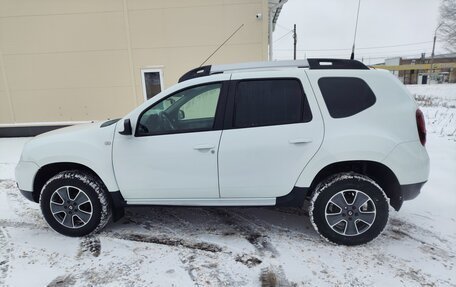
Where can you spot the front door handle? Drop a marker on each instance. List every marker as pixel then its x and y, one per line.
pixel 204 147
pixel 300 141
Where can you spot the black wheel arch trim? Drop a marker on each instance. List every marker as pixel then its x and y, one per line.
pixel 32 196
pixel 49 170
pixel 378 172
pixel 118 205
pixel 295 198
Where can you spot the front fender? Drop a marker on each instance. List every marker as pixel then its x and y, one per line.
pixel 89 145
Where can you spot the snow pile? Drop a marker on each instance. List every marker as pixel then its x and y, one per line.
pixel 438 103
pixel 441 91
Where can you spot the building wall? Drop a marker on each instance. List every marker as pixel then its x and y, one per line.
pixel 412 76
pixel 413 71
pixel 79 60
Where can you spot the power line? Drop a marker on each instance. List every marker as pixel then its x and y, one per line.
pixel 392 46
pixel 389 56
pixel 384 52
pixel 283 27
pixel 394 52
pixel 289 32
pixel 371 55
pixel 378 57
pixel 363 48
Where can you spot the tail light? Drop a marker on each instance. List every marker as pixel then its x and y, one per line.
pixel 421 125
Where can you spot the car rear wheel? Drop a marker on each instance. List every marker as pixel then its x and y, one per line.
pixel 75 203
pixel 349 209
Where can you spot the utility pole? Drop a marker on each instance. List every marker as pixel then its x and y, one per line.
pixel 295 41
pixel 431 72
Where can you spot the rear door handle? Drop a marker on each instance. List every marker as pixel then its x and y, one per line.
pixel 300 141
pixel 203 147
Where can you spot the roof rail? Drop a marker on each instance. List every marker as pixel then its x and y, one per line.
pixel 217 69
pixel 333 64
pixel 260 65
pixel 313 64
pixel 196 73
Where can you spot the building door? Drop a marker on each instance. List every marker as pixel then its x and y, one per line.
pixel 152 81
pixel 424 80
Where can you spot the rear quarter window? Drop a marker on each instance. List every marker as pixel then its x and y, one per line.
pixel 346 96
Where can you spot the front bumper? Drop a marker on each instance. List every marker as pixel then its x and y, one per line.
pixel 25 175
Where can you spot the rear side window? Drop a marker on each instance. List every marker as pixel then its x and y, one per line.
pixel 270 102
pixel 345 97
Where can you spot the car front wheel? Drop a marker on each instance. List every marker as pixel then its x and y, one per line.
pixel 349 209
pixel 75 203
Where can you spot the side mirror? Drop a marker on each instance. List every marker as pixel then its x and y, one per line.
pixel 180 115
pixel 127 128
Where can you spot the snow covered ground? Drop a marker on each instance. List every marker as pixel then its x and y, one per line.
pixel 439 107
pixel 168 246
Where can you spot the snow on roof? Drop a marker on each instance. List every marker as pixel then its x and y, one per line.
pixel 442 56
pixel 276 13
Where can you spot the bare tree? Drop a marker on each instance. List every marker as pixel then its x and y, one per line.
pixel 448 19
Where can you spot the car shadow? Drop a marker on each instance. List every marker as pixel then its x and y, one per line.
pixel 257 225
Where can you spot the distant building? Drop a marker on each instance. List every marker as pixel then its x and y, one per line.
pixel 64 62
pixel 422 70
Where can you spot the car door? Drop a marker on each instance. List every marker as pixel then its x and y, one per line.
pixel 173 152
pixel 273 128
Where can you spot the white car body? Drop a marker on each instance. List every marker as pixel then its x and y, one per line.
pixel 245 166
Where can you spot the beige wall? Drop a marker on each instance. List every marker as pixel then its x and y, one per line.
pixel 80 60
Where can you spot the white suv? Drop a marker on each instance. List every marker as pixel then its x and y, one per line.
pixel 347 138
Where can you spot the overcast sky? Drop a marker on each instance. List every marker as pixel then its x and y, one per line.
pixel 408 25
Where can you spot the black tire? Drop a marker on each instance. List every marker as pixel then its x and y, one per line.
pixel 349 223
pixel 94 211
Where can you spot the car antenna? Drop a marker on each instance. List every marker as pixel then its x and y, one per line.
pixel 352 57
pixel 218 48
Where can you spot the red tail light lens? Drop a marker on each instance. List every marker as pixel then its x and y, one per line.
pixel 421 125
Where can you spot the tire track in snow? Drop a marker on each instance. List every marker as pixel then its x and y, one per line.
pixel 402 229
pixel 252 232
pixel 90 244
pixel 25 211
pixel 200 259
pixel 165 227
pixel 277 229
pixel 5 255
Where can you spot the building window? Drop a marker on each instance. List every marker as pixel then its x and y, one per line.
pixel 152 81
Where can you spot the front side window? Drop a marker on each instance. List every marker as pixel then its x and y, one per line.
pixel 189 110
pixel 270 102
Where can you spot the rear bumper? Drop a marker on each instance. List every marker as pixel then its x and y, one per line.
pixel 410 163
pixel 410 191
